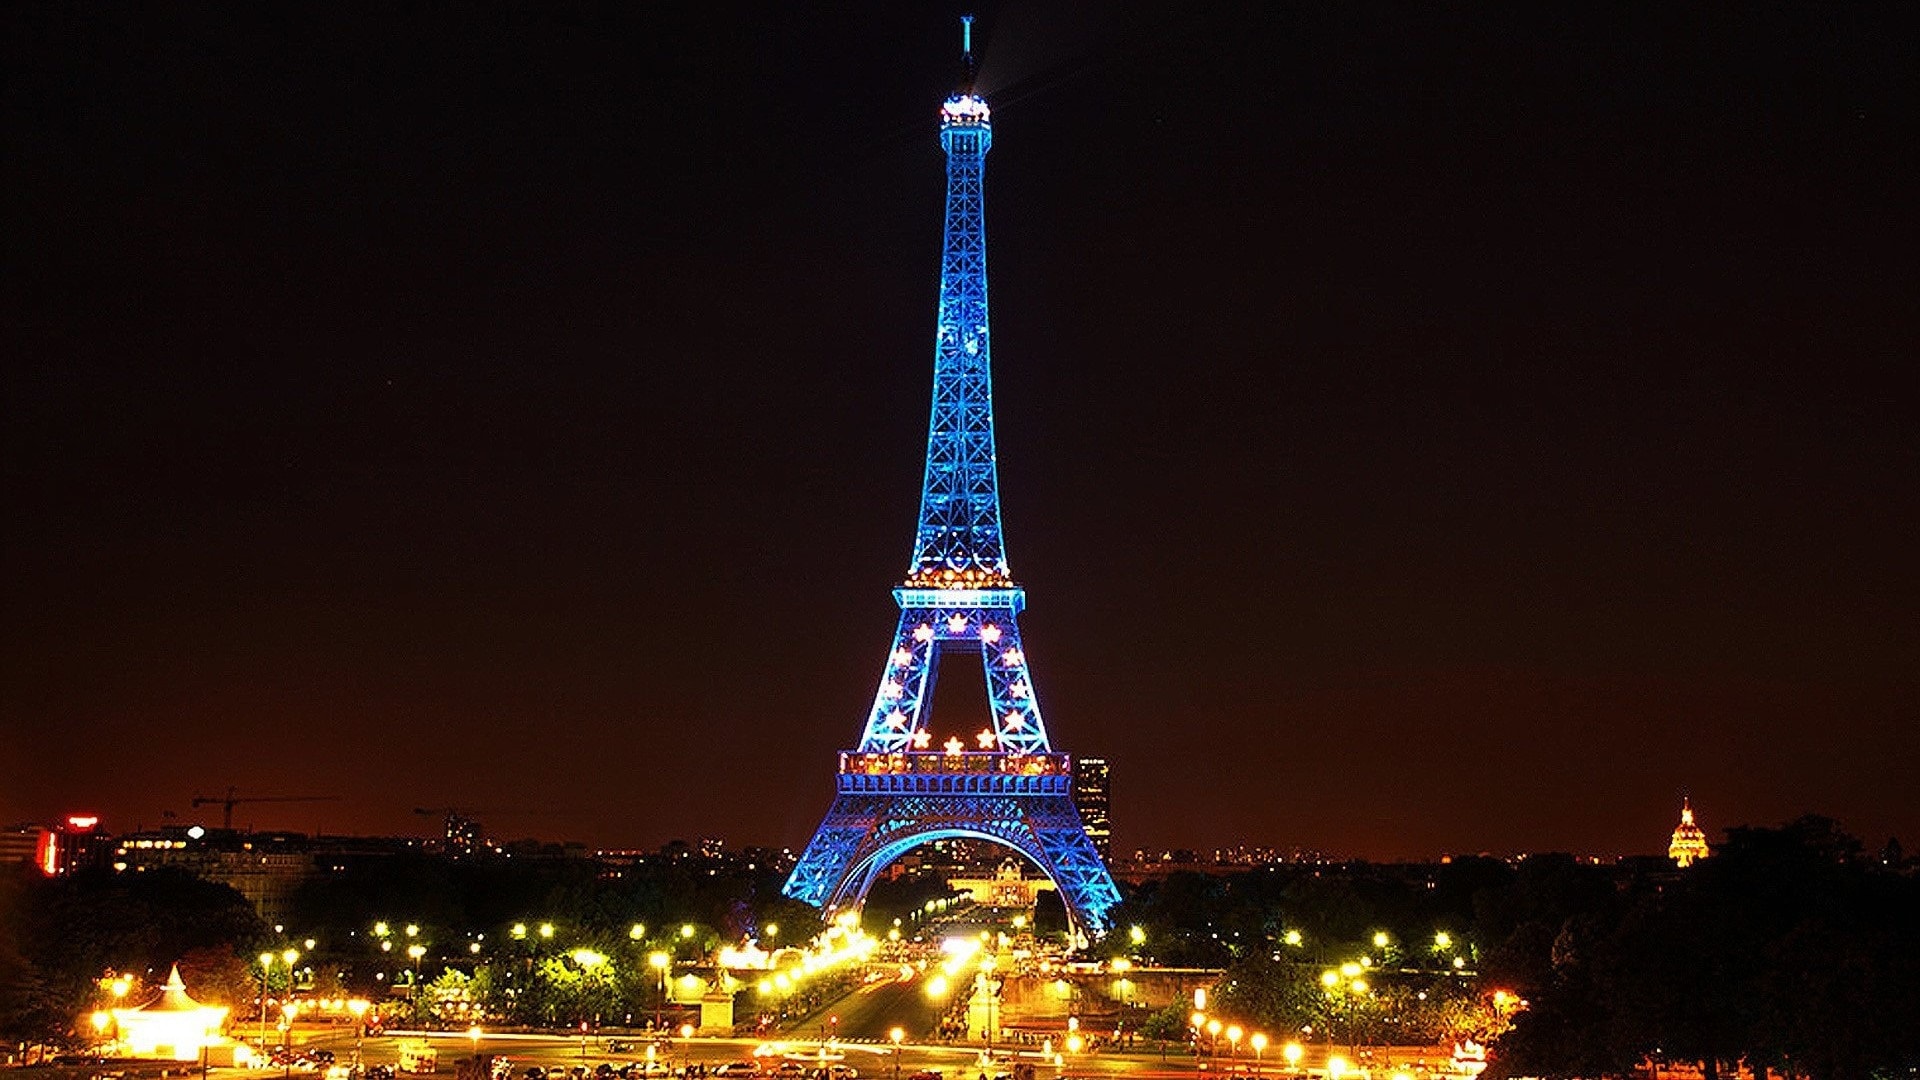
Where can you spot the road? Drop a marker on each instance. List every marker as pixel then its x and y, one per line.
pixel 873 1061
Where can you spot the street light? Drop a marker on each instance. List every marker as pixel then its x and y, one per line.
pixel 660 962
pixel 896 1035
pixel 1292 1053
pixel 358 1007
pixel 1259 1043
pixel 414 953
pixel 286 1043
pixel 266 966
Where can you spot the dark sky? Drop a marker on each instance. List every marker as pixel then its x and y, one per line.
pixel 1422 428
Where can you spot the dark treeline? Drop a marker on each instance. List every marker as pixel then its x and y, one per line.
pixel 1789 950
pixel 60 937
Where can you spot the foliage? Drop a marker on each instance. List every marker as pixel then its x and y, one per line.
pixel 1784 950
pixel 60 936
pixel 215 974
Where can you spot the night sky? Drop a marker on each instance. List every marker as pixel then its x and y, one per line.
pixel 1423 428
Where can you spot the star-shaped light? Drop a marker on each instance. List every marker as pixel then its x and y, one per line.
pixel 1013 658
pixel 954 745
pixel 985 739
pixel 1020 690
pixel 891 690
pixel 989 633
pixel 923 632
pixel 897 720
pixel 956 623
pixel 902 657
pixel 921 739
pixel 1014 721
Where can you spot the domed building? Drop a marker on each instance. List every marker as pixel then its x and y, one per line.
pixel 1689 840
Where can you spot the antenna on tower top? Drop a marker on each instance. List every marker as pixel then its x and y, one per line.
pixel 966 37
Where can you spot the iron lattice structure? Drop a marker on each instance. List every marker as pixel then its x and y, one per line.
pixel 898 790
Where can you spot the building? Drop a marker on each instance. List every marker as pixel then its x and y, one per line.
pixel 1092 795
pixel 1006 887
pixel 1689 840
pixel 73 844
pixel 266 868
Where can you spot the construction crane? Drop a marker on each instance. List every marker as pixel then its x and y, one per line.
pixel 228 801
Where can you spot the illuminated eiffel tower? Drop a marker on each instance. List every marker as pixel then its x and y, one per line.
pixel 899 789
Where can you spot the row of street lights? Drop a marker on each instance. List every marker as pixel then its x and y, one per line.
pixel 1214 1029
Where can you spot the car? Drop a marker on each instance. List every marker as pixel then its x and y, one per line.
pixel 320 1057
pixel 791 1068
pixel 619 1046
pixel 379 1072
pixel 737 1068
pixel 535 1072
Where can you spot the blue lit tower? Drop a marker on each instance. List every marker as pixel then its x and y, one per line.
pixel 903 787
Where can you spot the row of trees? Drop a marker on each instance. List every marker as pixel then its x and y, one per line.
pixel 1788 950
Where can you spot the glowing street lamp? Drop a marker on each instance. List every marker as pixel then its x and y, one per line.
pixel 660 962
pixel 1292 1053
pixel 896 1035
pixel 414 953
pixel 1259 1044
pixel 358 1007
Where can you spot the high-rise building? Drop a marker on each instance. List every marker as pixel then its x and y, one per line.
pixel 1093 795
pixel 1689 840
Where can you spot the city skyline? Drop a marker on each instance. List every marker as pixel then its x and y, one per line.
pixel 1420 433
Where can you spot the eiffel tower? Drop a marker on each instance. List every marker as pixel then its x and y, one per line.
pixel 899 789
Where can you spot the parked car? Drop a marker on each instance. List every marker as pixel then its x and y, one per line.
pixel 737 1068
pixel 379 1072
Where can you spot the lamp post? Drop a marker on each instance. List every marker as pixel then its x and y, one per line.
pixel 286 1042
pixel 1292 1053
pixel 660 962
pixel 414 953
pixel 1259 1043
pixel 896 1035
pixel 266 966
pixel 358 1007
pixel 1233 1047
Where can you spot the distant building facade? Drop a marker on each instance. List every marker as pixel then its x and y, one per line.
pixel 1093 796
